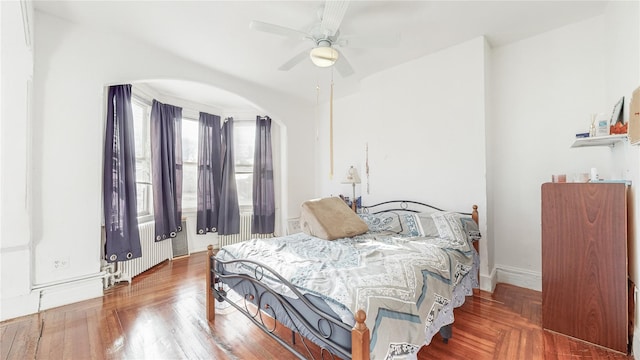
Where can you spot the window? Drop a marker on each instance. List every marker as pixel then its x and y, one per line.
pixel 189 163
pixel 244 143
pixel 244 135
pixel 142 136
pixel 244 132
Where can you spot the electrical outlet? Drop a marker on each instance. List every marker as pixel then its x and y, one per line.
pixel 61 263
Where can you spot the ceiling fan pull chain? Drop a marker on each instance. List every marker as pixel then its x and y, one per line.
pixel 331 128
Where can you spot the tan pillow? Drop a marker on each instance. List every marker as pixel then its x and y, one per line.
pixel 330 219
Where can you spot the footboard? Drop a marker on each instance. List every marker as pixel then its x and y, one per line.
pixel 253 281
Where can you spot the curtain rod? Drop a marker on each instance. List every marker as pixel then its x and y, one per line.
pixel 261 118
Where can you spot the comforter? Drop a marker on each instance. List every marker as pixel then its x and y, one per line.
pixel 402 273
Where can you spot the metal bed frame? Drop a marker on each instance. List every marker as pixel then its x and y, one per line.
pixel 259 300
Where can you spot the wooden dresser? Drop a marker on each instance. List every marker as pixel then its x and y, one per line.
pixel 584 262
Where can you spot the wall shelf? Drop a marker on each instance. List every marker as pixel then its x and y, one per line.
pixel 607 140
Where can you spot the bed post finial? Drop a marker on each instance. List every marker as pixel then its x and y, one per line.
pixel 211 311
pixel 476 245
pixel 360 337
pixel 474 214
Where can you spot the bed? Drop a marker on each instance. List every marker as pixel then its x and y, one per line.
pixel 380 294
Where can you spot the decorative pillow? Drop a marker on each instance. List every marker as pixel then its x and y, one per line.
pixel 405 224
pixel 429 227
pixel 330 219
pixel 459 230
pixel 472 229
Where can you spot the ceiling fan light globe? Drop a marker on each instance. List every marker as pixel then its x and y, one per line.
pixel 324 56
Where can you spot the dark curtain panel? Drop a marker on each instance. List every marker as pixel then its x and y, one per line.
pixel 229 215
pixel 209 173
pixel 264 206
pixel 166 168
pixel 119 178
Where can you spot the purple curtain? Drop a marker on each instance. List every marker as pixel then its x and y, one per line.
pixel 166 164
pixel 119 178
pixel 264 206
pixel 229 210
pixel 209 173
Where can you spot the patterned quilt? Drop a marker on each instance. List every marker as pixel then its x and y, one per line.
pixel 399 273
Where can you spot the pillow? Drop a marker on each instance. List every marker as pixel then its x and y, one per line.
pixel 330 219
pixel 459 230
pixel 429 227
pixel 405 224
pixel 472 229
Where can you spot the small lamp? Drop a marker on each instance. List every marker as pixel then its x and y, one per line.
pixel 352 178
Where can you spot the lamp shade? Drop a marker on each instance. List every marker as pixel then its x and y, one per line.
pixel 324 56
pixel 352 176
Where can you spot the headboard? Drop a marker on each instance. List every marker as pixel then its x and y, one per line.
pixel 401 205
pixel 412 206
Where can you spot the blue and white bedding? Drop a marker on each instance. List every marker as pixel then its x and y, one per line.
pixel 407 273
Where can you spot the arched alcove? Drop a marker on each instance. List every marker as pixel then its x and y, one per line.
pixel 194 97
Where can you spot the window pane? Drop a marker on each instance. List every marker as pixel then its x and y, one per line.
pixel 189 186
pixel 138 128
pixel 190 163
pixel 143 201
pixel 245 189
pixel 244 142
pixel 143 151
pixel 140 198
pixel 189 141
pixel 143 171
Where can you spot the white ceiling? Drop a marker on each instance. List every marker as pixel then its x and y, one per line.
pixel 216 34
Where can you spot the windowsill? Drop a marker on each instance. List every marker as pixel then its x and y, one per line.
pixel 145 219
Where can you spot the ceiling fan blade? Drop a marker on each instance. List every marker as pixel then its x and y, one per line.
pixel 278 30
pixel 368 42
pixel 343 66
pixel 294 60
pixel 333 14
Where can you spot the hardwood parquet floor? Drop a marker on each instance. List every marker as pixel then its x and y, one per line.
pixel 161 315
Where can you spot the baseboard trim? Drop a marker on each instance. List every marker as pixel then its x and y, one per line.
pixel 18 306
pixel 488 282
pixel 68 293
pixel 518 277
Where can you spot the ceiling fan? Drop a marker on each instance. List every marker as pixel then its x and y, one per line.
pixel 325 35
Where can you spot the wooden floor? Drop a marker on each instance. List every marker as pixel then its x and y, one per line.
pixel 161 315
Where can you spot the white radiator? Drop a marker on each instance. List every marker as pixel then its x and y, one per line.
pixel 245 232
pixel 153 253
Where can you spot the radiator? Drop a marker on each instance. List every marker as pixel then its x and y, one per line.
pixel 153 253
pixel 245 232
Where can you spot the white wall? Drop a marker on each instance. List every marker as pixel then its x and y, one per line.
pixel 434 127
pixel 72 67
pixel 622 76
pixel 424 123
pixel 16 67
pixel 424 118
pixel 543 90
